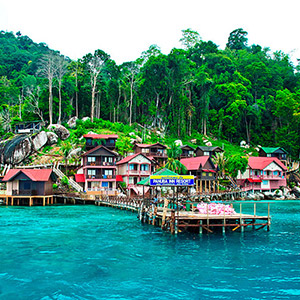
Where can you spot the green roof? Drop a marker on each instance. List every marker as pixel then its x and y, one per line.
pixel 270 150
pixel 163 172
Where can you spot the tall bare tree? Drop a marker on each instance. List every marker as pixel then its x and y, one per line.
pixel 61 70
pixel 130 72
pixel 48 69
pixel 32 102
pixel 95 64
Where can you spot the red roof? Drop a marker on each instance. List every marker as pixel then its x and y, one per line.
pixel 254 180
pixel 119 178
pixel 33 174
pixel 260 163
pixel 194 163
pixel 79 178
pixel 129 158
pixel 100 136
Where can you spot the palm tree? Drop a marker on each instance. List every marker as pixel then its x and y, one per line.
pixel 173 163
pixel 66 148
pixel 221 161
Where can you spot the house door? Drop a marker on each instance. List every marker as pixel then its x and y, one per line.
pixel 25 187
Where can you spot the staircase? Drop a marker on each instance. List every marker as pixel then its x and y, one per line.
pixel 232 181
pixel 72 183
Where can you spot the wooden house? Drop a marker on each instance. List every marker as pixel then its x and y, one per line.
pixel 207 151
pixel 29 186
pixel 278 152
pixel 187 151
pixel 29 182
pixel 133 169
pixel 99 171
pixel 94 140
pixel 155 151
pixel 263 174
pixel 205 172
pixel 28 127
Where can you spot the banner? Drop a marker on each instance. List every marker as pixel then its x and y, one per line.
pixel 169 180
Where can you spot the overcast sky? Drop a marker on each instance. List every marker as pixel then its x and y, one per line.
pixel 126 28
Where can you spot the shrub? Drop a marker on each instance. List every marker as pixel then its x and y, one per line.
pixel 55 186
pixel 65 180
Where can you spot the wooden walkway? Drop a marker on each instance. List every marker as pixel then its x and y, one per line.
pixel 177 221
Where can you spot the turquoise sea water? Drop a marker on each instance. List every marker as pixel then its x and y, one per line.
pixel 89 252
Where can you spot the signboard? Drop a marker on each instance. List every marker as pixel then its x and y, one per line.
pixel 172 180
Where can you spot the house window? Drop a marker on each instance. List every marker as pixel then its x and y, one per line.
pixel 91 158
pixel 203 173
pixel 275 173
pixel 108 159
pixel 206 153
pixel 108 172
pixel 145 150
pixel 265 182
pixel 144 167
pixel 131 180
pixel 91 172
pixel 268 155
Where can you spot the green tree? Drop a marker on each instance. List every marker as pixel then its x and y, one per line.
pixel 173 162
pixel 237 39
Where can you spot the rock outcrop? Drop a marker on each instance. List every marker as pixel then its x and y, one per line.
pixel 16 150
pixel 39 140
pixel 52 138
pixel 61 131
pixel 72 122
pixel 75 153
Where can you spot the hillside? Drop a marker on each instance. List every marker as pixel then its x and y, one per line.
pixel 243 92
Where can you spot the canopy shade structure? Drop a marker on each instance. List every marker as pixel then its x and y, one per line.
pixel 163 172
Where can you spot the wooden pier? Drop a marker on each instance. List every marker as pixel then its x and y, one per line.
pixel 165 216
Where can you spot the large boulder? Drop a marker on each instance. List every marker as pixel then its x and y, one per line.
pixel 61 131
pixel 178 143
pixel 75 153
pixel 39 140
pixel 85 119
pixel 72 122
pixel 16 150
pixel 52 138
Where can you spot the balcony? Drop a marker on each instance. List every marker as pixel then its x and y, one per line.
pixel 100 163
pixel 102 191
pixel 159 154
pixel 24 192
pixel 101 176
pixel 267 177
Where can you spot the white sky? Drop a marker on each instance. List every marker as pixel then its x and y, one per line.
pixel 126 28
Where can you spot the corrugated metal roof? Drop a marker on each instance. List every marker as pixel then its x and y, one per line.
pixel 260 163
pixel 130 157
pixel 33 174
pixel 194 163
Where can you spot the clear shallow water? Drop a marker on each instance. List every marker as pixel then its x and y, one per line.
pixel 89 252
